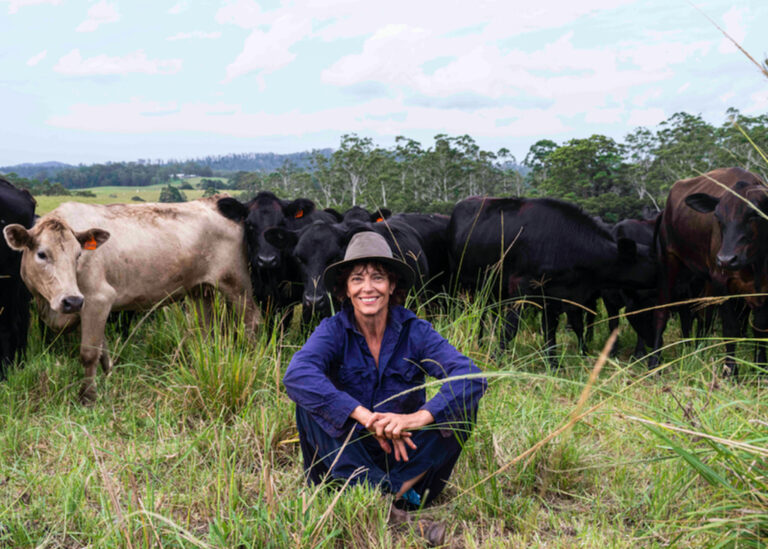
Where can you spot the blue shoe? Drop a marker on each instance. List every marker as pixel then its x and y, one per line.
pixel 412 497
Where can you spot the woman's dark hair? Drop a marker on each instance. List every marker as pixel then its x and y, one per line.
pixel 340 286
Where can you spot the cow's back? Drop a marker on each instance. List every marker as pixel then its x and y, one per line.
pixel 533 236
pixel 156 250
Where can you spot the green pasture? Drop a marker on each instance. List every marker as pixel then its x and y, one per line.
pixel 118 195
pixel 192 443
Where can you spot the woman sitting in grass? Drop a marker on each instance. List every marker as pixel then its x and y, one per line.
pixel 361 411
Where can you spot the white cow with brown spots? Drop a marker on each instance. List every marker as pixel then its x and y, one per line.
pixel 86 260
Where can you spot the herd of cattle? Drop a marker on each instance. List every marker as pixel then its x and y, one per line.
pixel 80 262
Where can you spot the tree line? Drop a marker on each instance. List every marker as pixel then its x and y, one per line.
pixel 606 177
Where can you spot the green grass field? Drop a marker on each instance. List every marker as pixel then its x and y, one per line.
pixel 192 443
pixel 114 195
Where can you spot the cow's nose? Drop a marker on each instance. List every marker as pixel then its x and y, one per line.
pixel 727 261
pixel 266 261
pixel 72 304
pixel 314 300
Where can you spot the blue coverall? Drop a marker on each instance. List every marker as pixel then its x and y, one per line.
pixel 334 372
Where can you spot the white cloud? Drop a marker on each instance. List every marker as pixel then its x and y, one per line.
pixel 759 102
pixel 660 55
pixel 35 59
pixel 603 116
pixel 734 25
pixel 270 50
pixel 243 13
pixel 646 117
pixel 432 29
pixel 179 7
pixel 15 5
pixel 199 35
pixel 99 14
pixel 75 65
pixel 574 80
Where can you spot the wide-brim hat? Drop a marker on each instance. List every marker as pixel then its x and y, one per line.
pixel 370 246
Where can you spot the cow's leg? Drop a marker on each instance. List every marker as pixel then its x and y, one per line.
pixel 511 325
pixel 613 304
pixel 731 329
pixel 549 320
pixel 706 322
pixel 104 359
pixel 685 316
pixel 93 319
pixel 760 327
pixel 6 351
pixel 576 319
pixel 669 272
pixel 589 333
pixel 286 316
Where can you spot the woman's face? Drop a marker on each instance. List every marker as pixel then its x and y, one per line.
pixel 369 288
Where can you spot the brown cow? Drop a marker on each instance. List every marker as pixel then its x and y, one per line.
pixel 85 260
pixel 714 230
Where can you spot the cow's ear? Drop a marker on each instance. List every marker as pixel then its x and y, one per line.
pixel 702 202
pixel 233 209
pixel 380 215
pixel 92 238
pixel 17 237
pixel 335 213
pixel 280 238
pixel 627 249
pixel 299 208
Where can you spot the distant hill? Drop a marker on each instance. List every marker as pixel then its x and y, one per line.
pixel 258 162
pixel 237 162
pixel 142 172
pixel 39 170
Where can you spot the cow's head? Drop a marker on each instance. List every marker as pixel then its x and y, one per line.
pixel 50 254
pixel 356 213
pixel 314 247
pixel 743 227
pixel 262 213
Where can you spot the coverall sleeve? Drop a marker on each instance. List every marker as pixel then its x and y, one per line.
pixel 308 384
pixel 457 400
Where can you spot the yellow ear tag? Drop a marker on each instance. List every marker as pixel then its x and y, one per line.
pixel 299 214
pixel 90 244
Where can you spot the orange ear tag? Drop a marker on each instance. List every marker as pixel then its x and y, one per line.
pixel 379 220
pixel 299 214
pixel 90 244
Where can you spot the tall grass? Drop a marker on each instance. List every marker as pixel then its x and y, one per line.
pixel 192 443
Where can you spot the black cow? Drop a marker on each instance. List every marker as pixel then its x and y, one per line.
pixel 641 231
pixel 432 230
pixel 275 275
pixel 357 213
pixel 320 244
pixel 714 229
pixel 543 249
pixel 16 206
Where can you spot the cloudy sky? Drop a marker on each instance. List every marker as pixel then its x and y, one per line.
pixel 84 82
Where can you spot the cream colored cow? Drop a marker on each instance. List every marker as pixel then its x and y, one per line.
pixel 86 260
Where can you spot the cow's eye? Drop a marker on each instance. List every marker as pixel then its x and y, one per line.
pixel 41 255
